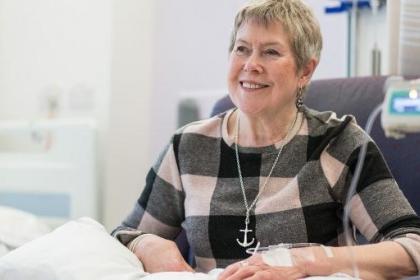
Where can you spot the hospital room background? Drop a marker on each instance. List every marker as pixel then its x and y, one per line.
pixel 91 90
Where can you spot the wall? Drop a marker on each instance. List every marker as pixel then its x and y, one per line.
pixel 56 52
pixel 94 59
pixel 57 49
pixel 333 62
pixel 191 42
pixel 128 141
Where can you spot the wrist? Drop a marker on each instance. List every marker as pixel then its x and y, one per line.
pixel 137 243
pixel 344 261
pixel 314 260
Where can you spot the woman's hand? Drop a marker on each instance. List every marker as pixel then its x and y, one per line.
pixel 159 255
pixel 254 268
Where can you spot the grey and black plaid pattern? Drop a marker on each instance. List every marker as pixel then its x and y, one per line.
pixel 194 185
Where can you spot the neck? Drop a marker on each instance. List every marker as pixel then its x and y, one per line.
pixel 260 131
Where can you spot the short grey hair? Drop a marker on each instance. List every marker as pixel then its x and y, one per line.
pixel 297 20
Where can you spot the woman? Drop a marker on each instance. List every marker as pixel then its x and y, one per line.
pixel 271 171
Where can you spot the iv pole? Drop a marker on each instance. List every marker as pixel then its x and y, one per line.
pixel 352 40
pixel 352 8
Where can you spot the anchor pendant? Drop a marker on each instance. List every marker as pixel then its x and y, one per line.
pixel 245 243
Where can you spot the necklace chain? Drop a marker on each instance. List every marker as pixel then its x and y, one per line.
pixel 248 208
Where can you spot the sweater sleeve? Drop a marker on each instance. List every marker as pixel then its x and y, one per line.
pixel 160 208
pixel 411 243
pixel 379 209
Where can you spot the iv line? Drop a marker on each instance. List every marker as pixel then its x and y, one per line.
pixel 353 185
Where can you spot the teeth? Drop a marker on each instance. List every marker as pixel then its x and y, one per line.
pixel 252 85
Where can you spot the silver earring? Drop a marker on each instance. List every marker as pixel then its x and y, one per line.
pixel 299 98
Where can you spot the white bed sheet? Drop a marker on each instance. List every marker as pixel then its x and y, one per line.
pixel 83 250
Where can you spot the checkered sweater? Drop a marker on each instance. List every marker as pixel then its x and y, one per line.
pixel 194 185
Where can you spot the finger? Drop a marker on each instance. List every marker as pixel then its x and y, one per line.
pixel 177 265
pixel 229 270
pixel 280 273
pixel 256 260
pixel 185 265
pixel 243 273
pixel 263 275
pixel 273 274
pixel 226 273
pixel 188 268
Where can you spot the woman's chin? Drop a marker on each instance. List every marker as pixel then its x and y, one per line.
pixel 250 110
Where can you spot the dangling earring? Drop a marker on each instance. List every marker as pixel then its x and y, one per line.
pixel 299 98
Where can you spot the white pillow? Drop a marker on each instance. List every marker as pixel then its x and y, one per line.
pixel 80 249
pixel 18 227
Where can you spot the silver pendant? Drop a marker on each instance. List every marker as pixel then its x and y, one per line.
pixel 245 243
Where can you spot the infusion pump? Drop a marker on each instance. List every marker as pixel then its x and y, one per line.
pixel 401 107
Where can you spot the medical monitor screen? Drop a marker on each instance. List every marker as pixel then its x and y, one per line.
pixel 401 103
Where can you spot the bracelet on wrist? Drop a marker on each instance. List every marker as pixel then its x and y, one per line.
pixel 133 244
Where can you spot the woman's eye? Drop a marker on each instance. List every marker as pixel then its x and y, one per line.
pixel 241 50
pixel 271 52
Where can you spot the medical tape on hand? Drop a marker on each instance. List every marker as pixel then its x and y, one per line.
pixel 277 257
pixel 327 251
pixel 283 256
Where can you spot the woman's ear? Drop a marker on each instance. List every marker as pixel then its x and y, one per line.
pixel 307 71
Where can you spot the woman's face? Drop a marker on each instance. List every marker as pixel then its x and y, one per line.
pixel 262 76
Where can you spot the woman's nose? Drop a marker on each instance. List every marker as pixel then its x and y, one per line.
pixel 252 64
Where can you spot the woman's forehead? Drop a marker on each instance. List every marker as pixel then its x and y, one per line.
pixel 268 34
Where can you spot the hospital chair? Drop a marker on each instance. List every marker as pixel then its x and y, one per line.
pixel 359 96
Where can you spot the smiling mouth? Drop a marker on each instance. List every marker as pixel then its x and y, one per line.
pixel 250 85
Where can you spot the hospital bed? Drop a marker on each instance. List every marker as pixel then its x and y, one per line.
pixel 47 169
